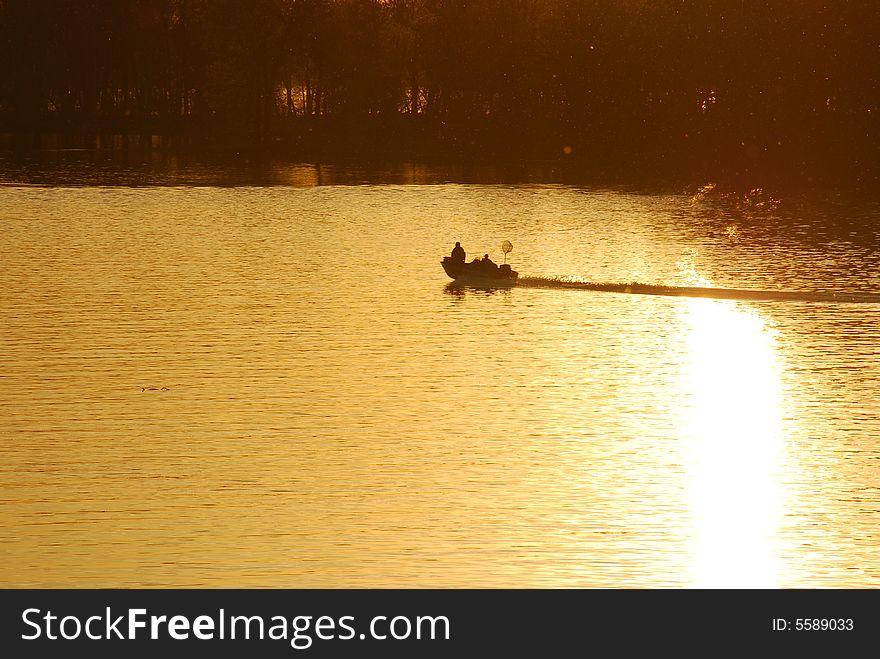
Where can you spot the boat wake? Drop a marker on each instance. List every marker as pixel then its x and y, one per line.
pixel 699 291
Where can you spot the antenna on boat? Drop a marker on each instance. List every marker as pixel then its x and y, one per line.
pixel 506 247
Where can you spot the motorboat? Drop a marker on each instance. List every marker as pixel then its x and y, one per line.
pixel 480 274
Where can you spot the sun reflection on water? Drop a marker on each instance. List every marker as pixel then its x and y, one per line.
pixel 735 445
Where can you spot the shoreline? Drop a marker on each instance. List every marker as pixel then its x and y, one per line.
pixel 648 169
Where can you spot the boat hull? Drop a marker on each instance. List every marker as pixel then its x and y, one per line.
pixel 483 282
pixel 467 274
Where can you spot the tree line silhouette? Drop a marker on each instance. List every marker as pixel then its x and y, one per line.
pixel 690 84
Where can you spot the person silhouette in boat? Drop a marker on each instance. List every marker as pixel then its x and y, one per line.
pixel 488 265
pixel 458 255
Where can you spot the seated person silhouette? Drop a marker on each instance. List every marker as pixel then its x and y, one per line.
pixel 458 254
pixel 488 265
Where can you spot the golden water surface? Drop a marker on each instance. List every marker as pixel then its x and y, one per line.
pixel 274 386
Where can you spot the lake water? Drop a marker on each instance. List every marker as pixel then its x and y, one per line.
pixel 213 380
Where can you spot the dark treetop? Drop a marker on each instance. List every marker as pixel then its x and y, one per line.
pixel 709 87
